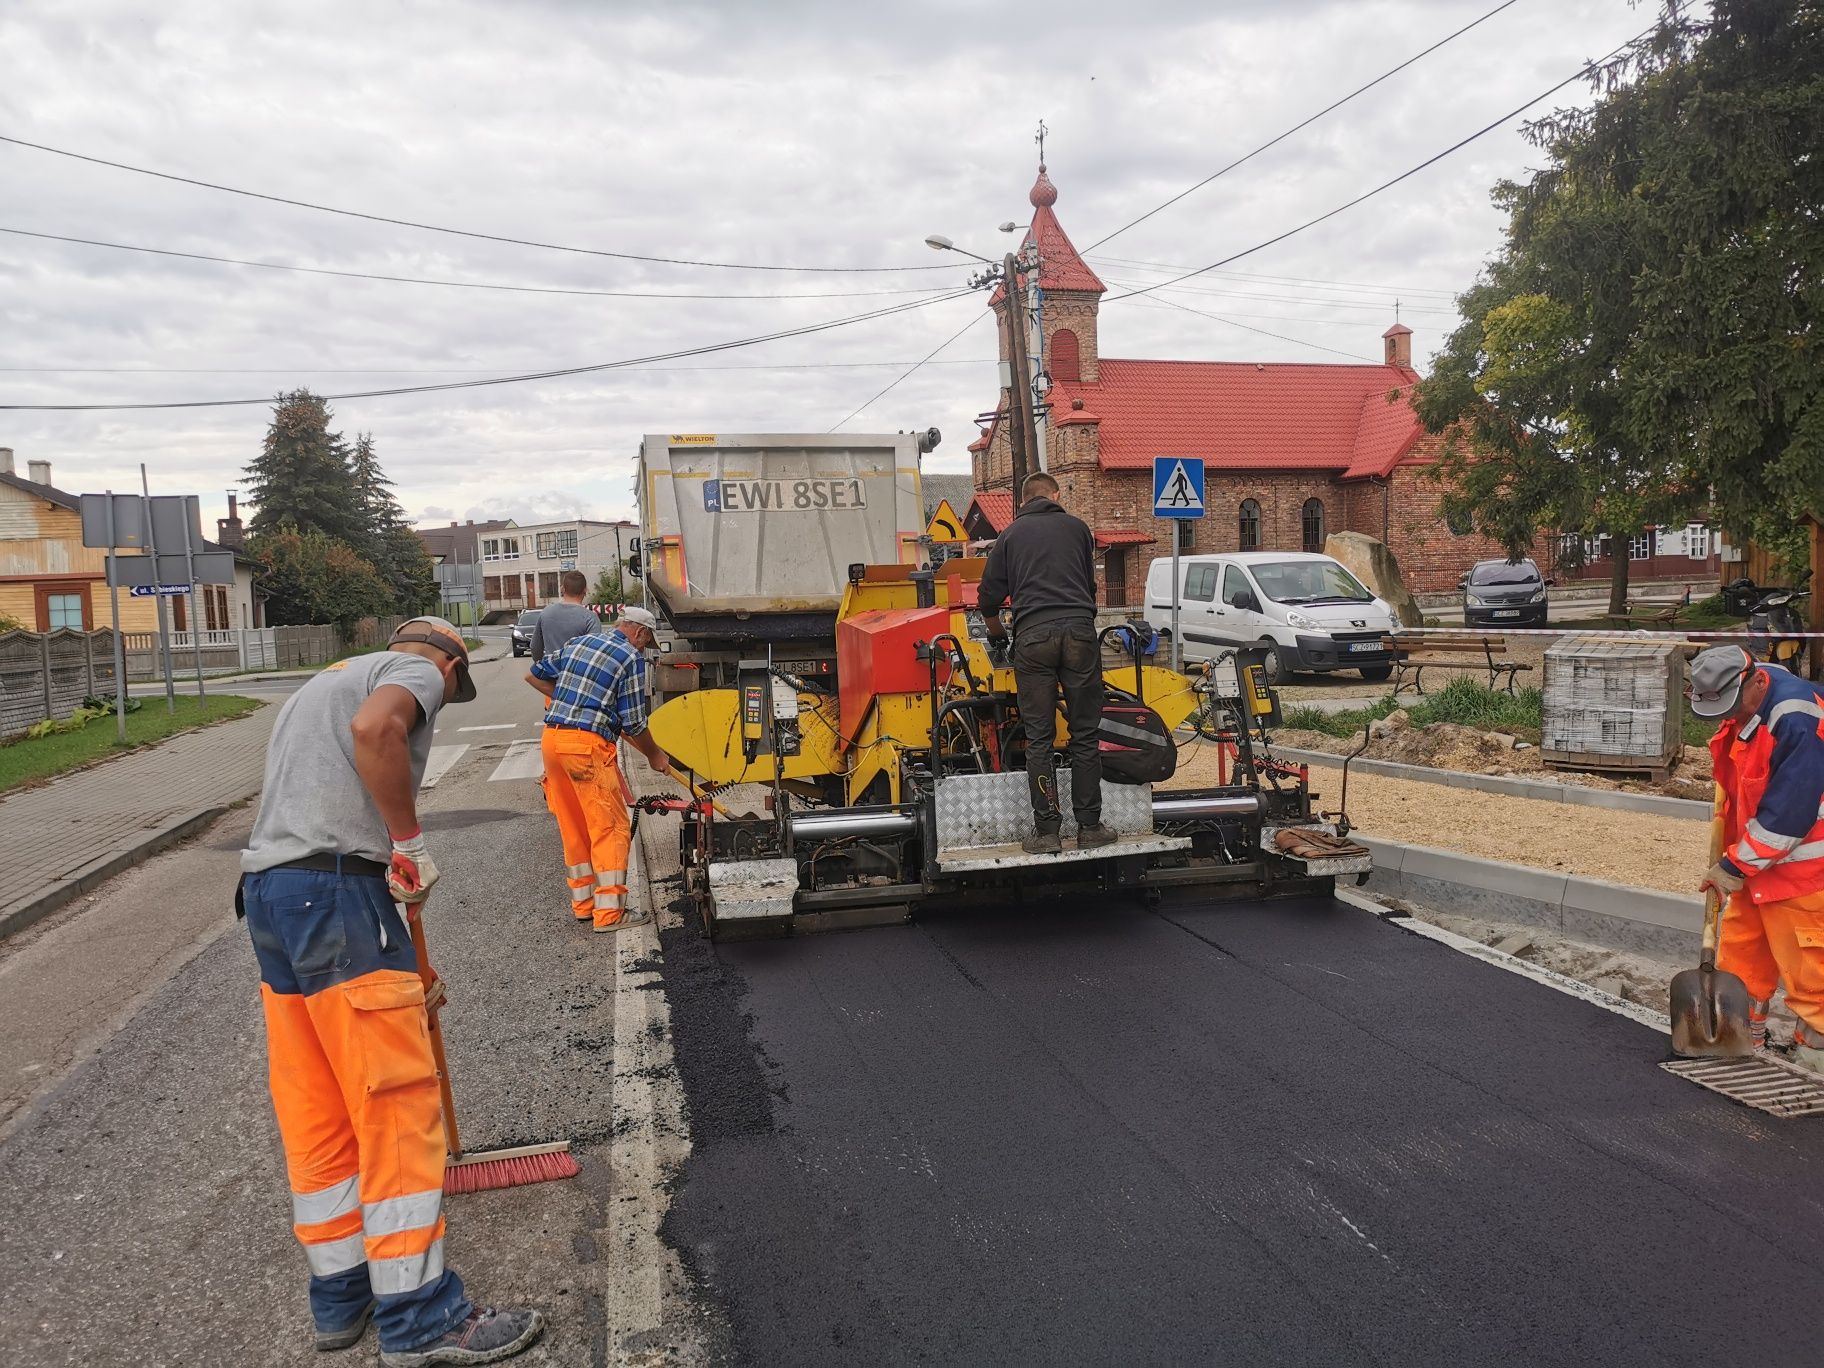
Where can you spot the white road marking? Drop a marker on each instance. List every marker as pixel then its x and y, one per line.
pixel 492 726
pixel 522 761
pixel 439 763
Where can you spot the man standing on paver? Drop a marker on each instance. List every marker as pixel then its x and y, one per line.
pixel 353 1082
pixel 597 689
pixel 1046 564
pixel 564 621
pixel 1768 759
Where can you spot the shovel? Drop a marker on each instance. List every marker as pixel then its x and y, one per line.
pixel 1710 1006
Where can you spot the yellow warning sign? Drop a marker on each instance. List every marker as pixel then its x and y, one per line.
pixel 693 438
pixel 945 526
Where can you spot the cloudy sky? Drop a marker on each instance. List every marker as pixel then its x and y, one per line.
pixel 805 133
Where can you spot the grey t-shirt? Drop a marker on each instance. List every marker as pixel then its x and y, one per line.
pixel 559 624
pixel 314 802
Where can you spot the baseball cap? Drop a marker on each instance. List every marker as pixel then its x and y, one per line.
pixel 1716 677
pixel 438 632
pixel 639 617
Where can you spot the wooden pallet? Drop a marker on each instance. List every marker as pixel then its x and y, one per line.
pixel 1658 771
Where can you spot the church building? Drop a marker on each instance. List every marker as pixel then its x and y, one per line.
pixel 1292 451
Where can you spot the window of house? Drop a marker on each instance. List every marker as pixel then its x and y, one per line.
pixel 552 545
pixel 1697 542
pixel 547 584
pixel 1186 533
pixel 510 583
pixel 1250 525
pixel 1641 547
pixel 1314 524
pixel 63 610
pixel 490 587
pixel 1200 583
pixel 499 548
pixel 1065 360
pixel 1458 521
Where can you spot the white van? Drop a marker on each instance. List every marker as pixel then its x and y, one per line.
pixel 1308 608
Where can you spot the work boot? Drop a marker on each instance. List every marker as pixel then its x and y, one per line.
pixel 627 919
pixel 329 1341
pixel 487 1336
pixel 1042 842
pixel 1089 837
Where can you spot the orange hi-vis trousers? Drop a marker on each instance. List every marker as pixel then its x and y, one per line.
pixel 585 792
pixel 354 1085
pixel 1767 944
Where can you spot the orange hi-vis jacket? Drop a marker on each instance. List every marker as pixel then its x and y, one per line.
pixel 1771 772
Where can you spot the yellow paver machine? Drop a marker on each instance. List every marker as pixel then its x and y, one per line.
pixel 901 779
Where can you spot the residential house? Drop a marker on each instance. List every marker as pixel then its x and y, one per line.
pixel 520 565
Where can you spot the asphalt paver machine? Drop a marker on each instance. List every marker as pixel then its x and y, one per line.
pixel 901 781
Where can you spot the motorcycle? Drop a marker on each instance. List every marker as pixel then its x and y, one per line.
pixel 1774 623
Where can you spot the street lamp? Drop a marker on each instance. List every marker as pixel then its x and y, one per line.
pixel 937 242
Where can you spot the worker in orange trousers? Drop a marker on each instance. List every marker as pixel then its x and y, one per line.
pixel 596 687
pixel 354 1084
pixel 1768 760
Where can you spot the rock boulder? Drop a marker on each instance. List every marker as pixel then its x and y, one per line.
pixel 1374 565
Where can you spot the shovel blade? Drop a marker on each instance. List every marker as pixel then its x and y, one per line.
pixel 1710 1014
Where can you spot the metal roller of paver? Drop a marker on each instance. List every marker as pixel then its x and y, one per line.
pixel 901 781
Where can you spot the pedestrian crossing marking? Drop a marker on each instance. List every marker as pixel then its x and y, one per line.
pixel 523 760
pixel 439 763
pixel 492 726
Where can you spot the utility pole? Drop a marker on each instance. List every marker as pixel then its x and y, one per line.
pixel 1019 389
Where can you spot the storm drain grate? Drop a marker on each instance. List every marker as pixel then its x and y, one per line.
pixel 1764 1084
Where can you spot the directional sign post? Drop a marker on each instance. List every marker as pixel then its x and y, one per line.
pixel 1177 493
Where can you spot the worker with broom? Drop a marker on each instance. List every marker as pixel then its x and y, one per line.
pixel 597 691
pixel 1768 761
pixel 353 1080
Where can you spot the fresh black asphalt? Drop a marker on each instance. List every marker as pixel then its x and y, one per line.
pixel 1252 1134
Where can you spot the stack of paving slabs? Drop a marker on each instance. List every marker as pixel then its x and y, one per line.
pixel 1613 705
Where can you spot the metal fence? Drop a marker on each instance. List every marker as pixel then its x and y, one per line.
pixel 48 674
pixel 260 648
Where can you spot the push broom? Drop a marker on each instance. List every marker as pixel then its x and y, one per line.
pixel 488 1169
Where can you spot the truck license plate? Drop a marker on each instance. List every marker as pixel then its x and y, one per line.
pixel 790 496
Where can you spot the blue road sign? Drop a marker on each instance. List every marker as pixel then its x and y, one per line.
pixel 1177 487
pixel 160 590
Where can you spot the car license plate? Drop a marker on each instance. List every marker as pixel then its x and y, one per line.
pixel 1364 646
pixel 1507 612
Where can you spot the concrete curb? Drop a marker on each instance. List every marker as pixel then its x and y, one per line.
pixel 1592 910
pixel 15 917
pixel 1543 790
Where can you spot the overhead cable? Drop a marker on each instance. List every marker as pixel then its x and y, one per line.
pixel 458 232
pixel 1327 109
pixel 926 360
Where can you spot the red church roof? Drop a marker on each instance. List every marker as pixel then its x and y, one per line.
pixel 1060 267
pixel 1249 416
pixel 996 506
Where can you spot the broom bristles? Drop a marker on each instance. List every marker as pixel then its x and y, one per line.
pixel 486 1175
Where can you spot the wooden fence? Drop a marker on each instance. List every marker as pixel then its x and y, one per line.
pixel 48 674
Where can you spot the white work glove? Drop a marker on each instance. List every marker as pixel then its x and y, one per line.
pixel 1725 881
pixel 411 874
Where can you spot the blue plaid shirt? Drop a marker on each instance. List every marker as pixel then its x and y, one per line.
pixel 600 681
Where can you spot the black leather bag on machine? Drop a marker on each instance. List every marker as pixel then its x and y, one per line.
pixel 1134 744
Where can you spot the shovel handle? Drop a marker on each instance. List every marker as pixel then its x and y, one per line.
pixel 433 999
pixel 1713 902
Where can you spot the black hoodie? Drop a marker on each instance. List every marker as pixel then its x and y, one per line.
pixel 1046 563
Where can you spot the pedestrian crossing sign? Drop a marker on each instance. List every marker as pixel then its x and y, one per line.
pixel 1177 487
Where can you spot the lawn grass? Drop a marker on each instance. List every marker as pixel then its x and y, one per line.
pixel 32 760
pixel 1706 615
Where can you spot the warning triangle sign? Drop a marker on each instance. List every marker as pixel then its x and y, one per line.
pixel 945 526
pixel 1179 490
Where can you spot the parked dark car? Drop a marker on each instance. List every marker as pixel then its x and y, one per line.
pixel 1504 594
pixel 522 631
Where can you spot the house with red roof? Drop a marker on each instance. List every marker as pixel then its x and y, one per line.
pixel 1292 451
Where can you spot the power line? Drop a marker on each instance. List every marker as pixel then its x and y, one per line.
pixel 1299 341
pixel 1577 75
pixel 1327 109
pixel 894 383
pixel 1263 277
pixel 1380 306
pixel 801 331
pixel 456 232
pixel 455 370
pixel 450 284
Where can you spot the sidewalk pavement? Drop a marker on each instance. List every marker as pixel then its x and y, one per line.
pixel 66 837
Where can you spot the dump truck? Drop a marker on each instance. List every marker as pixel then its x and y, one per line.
pixel 747 540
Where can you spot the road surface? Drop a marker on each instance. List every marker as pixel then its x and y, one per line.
pixel 1280 1134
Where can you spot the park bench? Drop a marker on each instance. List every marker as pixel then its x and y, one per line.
pixel 1414 654
pixel 1665 617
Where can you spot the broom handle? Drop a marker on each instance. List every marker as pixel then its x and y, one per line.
pixel 1713 903
pixel 433 996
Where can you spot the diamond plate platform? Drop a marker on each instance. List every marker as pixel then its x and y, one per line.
pixel 996 809
pixel 1317 869
pixel 753 890
pixel 965 859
